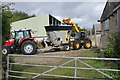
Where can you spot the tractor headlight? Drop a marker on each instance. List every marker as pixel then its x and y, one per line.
pixel 7 41
pixel 10 40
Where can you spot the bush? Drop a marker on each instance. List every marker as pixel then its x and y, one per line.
pixel 113 48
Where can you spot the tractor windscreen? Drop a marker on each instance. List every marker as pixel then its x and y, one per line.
pixel 19 35
pixel 22 34
pixel 27 34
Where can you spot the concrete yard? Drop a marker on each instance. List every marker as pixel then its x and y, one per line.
pixel 71 53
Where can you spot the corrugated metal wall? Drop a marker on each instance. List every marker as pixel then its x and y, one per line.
pixel 35 23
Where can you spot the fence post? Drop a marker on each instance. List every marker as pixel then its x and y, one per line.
pixel 75 68
pixel 7 76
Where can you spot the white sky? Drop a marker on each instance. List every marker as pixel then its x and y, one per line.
pixel 56 0
pixel 84 13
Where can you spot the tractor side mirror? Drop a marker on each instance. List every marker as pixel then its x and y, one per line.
pixel 12 35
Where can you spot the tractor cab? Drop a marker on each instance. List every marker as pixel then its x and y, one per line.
pixel 22 33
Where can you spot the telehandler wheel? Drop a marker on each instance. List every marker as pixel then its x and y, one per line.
pixel 6 50
pixel 28 47
pixel 87 44
pixel 76 45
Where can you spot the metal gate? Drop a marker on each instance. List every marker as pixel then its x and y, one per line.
pixel 75 59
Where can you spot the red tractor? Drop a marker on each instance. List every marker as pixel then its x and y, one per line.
pixel 21 42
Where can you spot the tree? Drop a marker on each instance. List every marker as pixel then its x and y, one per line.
pixel 9 16
pixel 6 12
pixel 19 15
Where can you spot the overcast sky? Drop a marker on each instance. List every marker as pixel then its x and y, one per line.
pixel 84 13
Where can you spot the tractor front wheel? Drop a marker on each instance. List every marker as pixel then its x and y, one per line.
pixel 6 50
pixel 28 47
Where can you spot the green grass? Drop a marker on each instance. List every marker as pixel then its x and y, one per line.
pixel 70 72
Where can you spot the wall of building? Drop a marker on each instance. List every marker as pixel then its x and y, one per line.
pixel 98 38
pixel 118 19
pixel 36 24
pixel 104 35
pixel 113 23
pixel 104 41
pixel 53 20
pixel 112 29
pixel 92 38
pixel 110 21
pixel 96 35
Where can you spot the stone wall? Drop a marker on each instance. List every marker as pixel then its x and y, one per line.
pixel 118 19
pixel 96 40
pixel 107 33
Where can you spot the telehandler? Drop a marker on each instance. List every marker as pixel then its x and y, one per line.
pixel 80 39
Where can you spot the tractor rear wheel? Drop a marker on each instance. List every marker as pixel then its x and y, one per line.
pixel 76 45
pixel 28 47
pixel 87 44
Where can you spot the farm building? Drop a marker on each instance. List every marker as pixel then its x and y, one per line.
pixel 110 21
pixel 96 34
pixel 36 24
